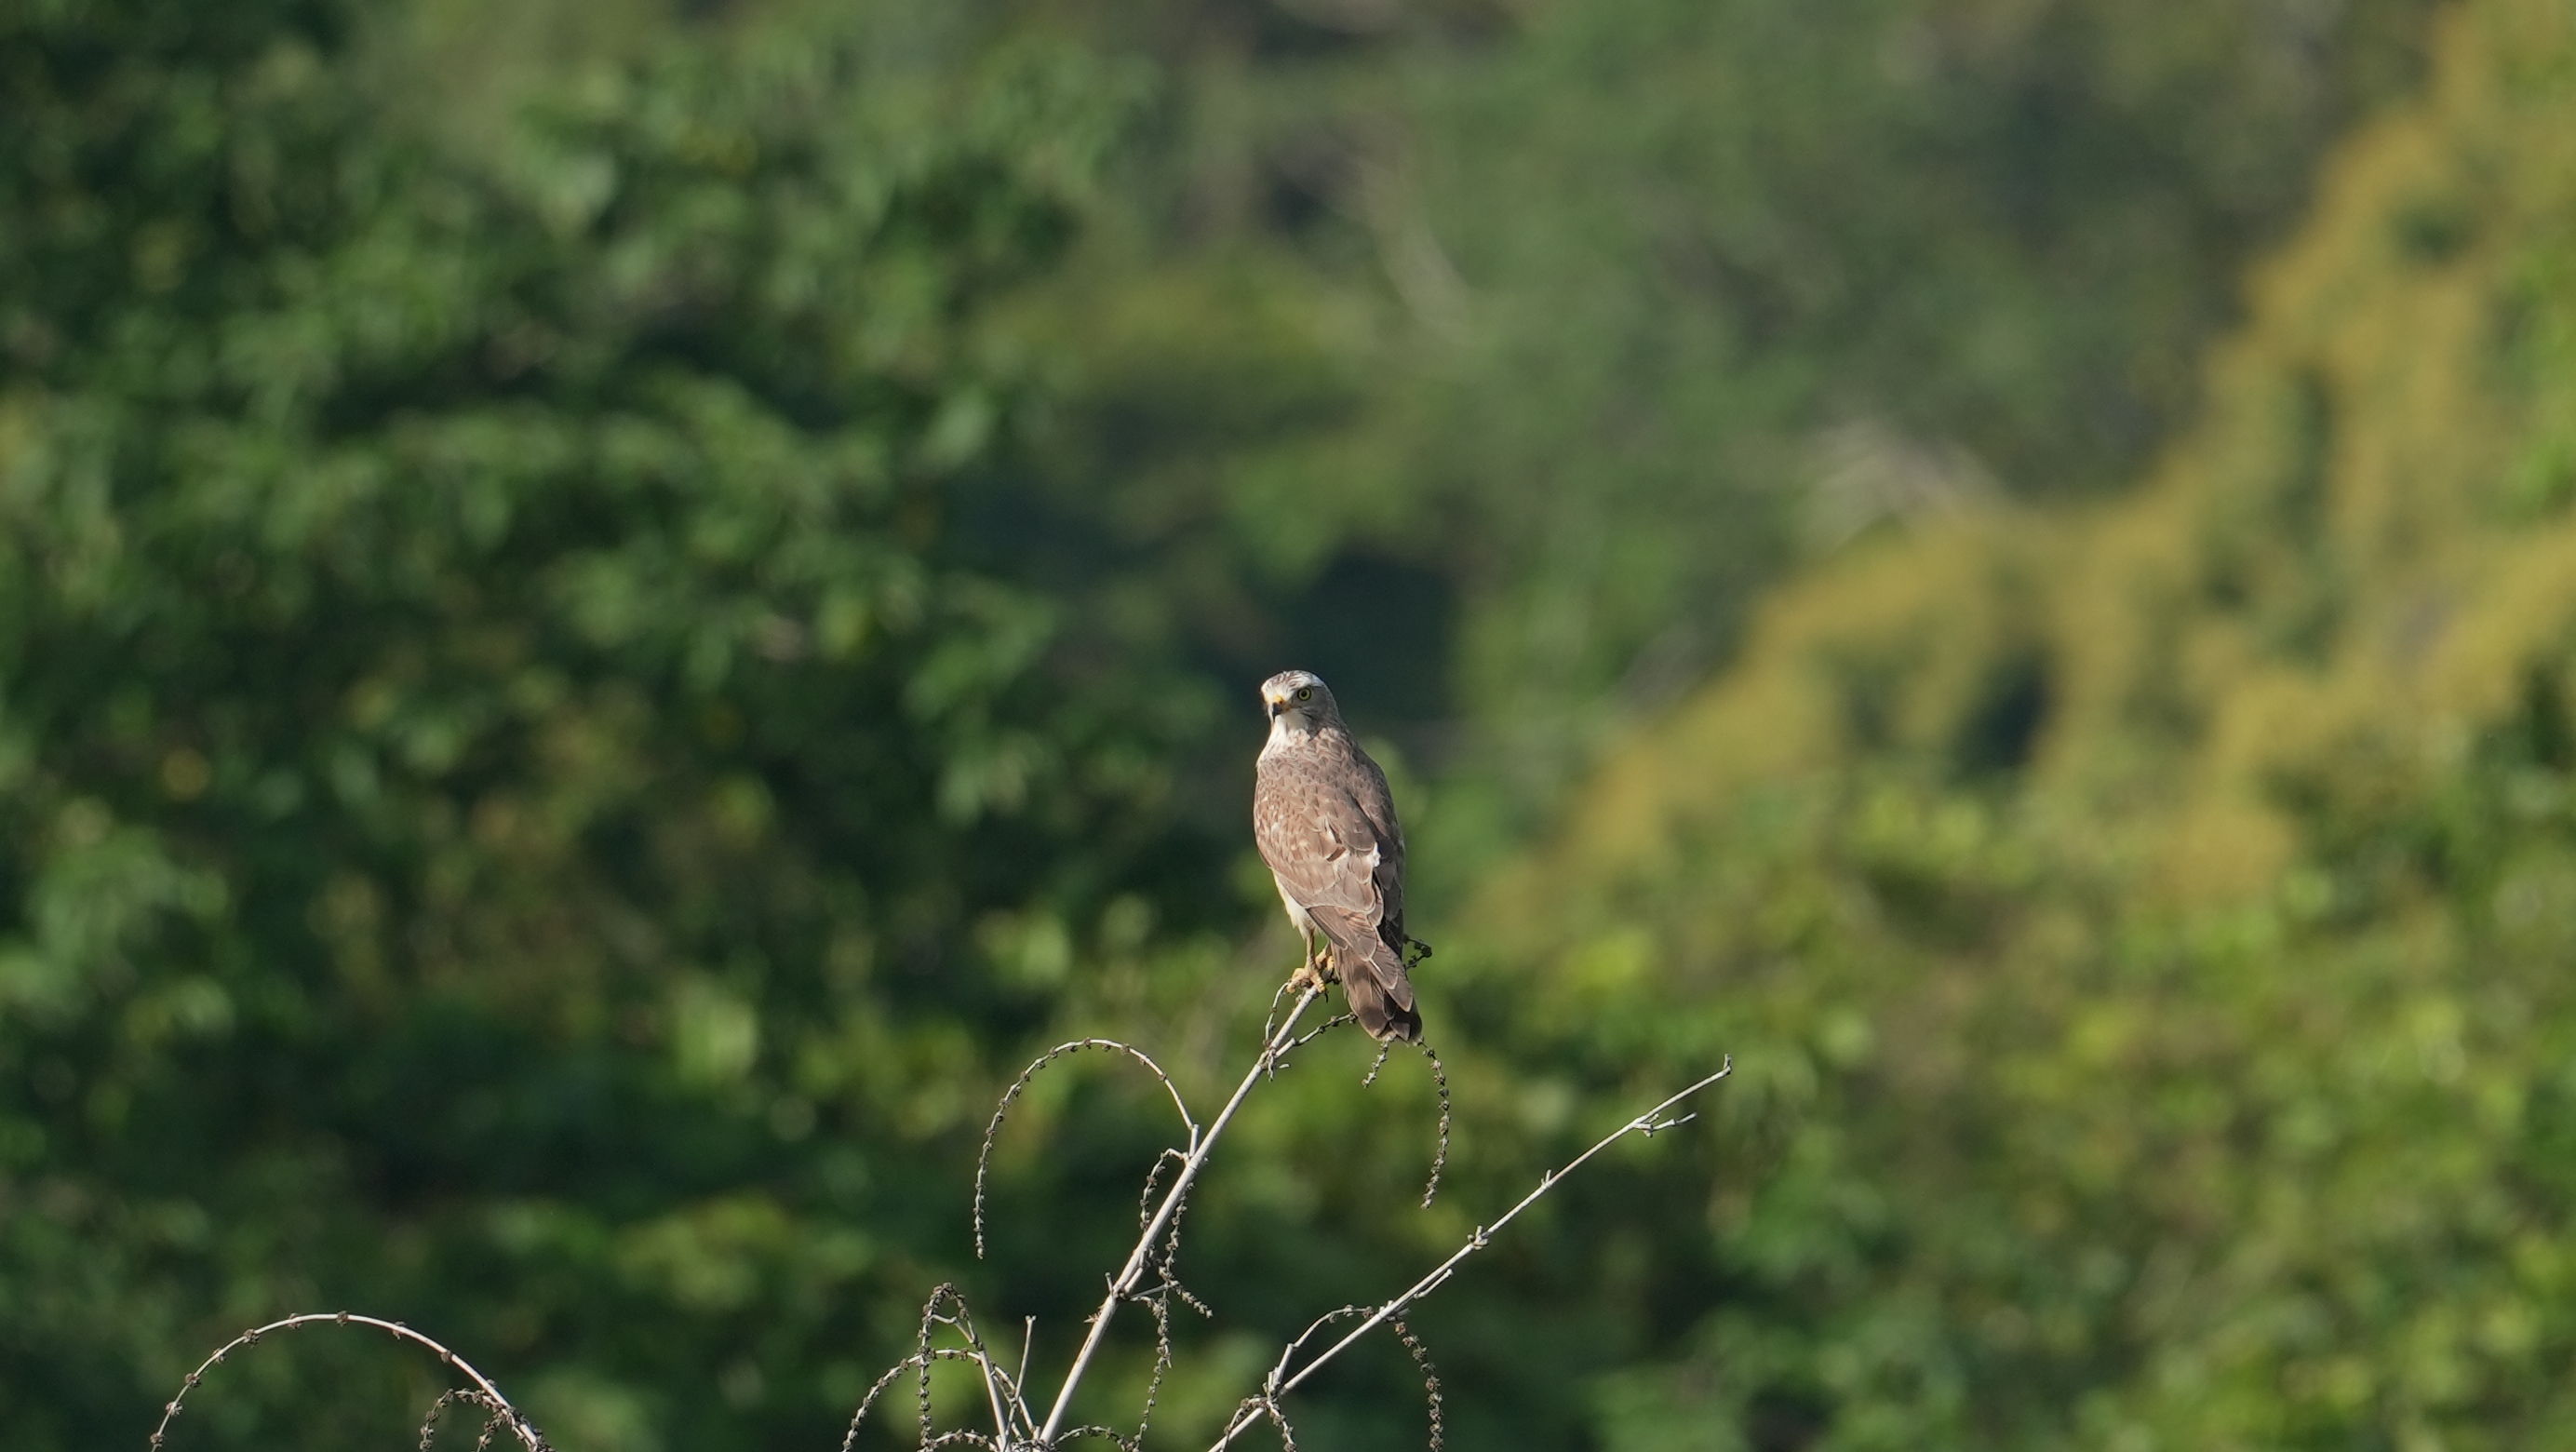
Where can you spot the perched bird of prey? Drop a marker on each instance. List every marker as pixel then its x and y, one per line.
pixel 1326 825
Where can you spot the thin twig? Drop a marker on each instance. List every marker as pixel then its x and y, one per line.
pixel 849 1438
pixel 1028 1340
pixel 921 1391
pixel 868 1402
pixel 1153 1182
pixel 1440 1150
pixel 1125 1282
pixel 1430 1379
pixel 1278 995
pixel 999 1390
pixel 1160 1307
pixel 429 1422
pixel 490 1395
pixel 1253 1409
pixel 1648 1123
pixel 1279 1369
pixel 1276 1382
pixel 1280 1059
pixel 1159 1300
pixel 1074 1434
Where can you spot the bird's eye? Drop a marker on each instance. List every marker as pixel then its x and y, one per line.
pixel 1305 693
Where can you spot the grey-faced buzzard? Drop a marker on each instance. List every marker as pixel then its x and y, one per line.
pixel 1326 825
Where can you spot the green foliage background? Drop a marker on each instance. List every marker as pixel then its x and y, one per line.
pixel 608 614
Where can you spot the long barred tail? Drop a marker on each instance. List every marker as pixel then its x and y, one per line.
pixel 1374 980
pixel 1377 1010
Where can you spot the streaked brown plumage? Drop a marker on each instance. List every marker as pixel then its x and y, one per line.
pixel 1326 824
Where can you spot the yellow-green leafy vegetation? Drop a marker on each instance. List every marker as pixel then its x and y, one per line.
pixel 2146 931
pixel 612 611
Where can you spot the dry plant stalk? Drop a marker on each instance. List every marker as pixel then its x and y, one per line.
pixel 1279 1383
pixel 481 1393
pixel 1146 1278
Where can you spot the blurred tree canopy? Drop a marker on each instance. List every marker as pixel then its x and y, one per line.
pixel 608 612
pixel 1438 304
pixel 515 743
pixel 2146 928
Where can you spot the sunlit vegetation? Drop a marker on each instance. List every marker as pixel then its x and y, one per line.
pixel 608 612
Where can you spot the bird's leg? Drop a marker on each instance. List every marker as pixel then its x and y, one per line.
pixel 1312 973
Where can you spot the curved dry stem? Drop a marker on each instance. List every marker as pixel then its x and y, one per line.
pixel 1270 1019
pixel 1159 1300
pixel 1439 1080
pixel 1253 1409
pixel 1171 1251
pixel 921 1387
pixel 868 1403
pixel 429 1422
pixel 1430 1379
pixel 1153 1182
pixel 1279 1060
pixel 984 1156
pixel 485 1392
pixel 1124 1284
pixel 1001 1392
pixel 1649 1124
pixel 1160 1308
pixel 918 1362
pixel 1440 1152
pixel 1279 1368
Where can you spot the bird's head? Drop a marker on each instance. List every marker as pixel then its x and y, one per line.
pixel 1299 700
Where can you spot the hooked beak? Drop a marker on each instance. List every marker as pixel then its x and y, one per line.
pixel 1274 705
